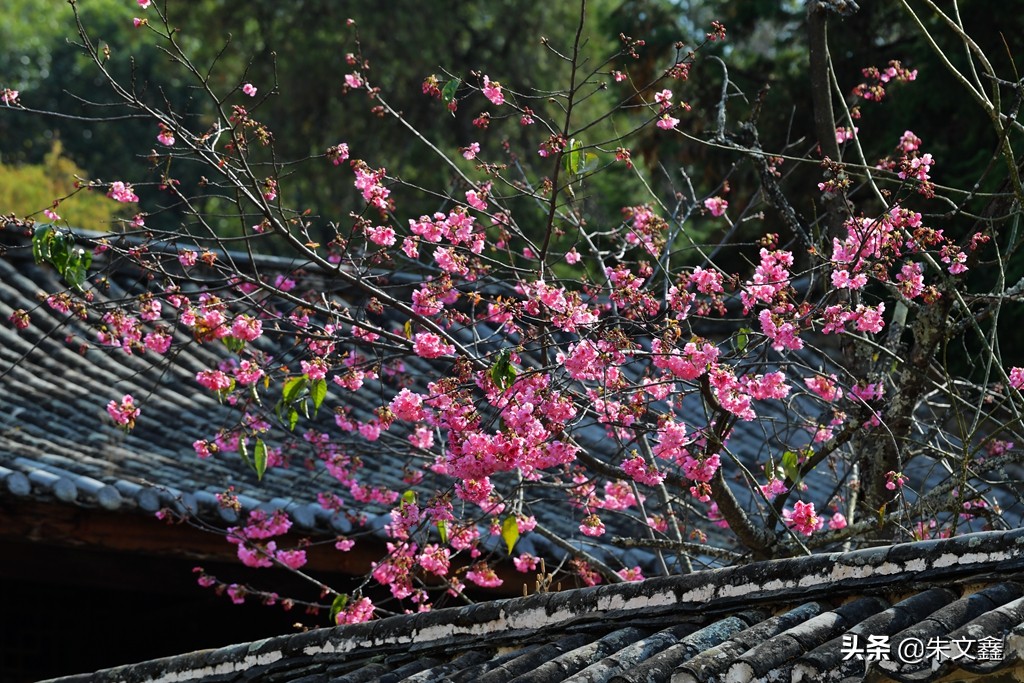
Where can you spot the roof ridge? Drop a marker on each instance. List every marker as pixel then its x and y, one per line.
pixel 700 594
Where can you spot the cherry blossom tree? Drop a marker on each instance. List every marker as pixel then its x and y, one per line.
pixel 525 354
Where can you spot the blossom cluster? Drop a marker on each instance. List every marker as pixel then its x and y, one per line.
pixel 615 367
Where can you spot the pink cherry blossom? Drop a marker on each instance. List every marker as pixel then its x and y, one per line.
pixel 868 392
pixel 314 369
pixel 284 283
pixel 422 437
pixel 158 342
pixel 911 280
pixel 525 563
pixel 203 448
pixel 382 234
pixel 214 380
pixel 122 193
pixel 269 189
pixel 235 592
pixel 783 333
pixel 909 142
pixel 894 480
pixel 843 134
pixel 293 559
pixel 204 580
pixel 708 281
pixel 248 373
pixel 435 559
pixel 483 575
pixel 165 136
pixel 631 574
pixel 408 406
pixel 667 122
pixel 774 488
pixel 492 91
pixel 255 556
pixel 770 278
pixel 249 89
pixel 803 518
pixel 247 328
pixel 369 430
pixel 356 612
pixel 587 575
pixel 825 387
pixel 338 153
pixel 716 206
pixel 592 526
pixel 20 319
pixel 471 151
pixel 125 412
pixel 841 279
pixel 701 470
pixel 430 345
pixel 869 319
pixel 641 472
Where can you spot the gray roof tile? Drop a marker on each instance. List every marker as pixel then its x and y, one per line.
pixel 54 397
pixel 659 630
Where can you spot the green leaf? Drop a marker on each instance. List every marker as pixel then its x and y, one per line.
pixel 60 251
pixel 742 338
pixel 442 530
pixel 243 450
pixel 41 243
pixel 293 418
pixel 77 269
pixel 337 606
pixel 319 393
pixel 503 373
pixel 260 459
pixel 573 156
pixel 233 344
pixel 448 92
pixel 791 466
pixel 510 532
pixel 409 498
pixel 293 388
pixel 589 163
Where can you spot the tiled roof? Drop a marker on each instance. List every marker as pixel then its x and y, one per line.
pixel 802 619
pixel 58 444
